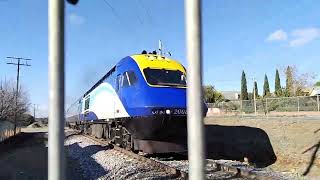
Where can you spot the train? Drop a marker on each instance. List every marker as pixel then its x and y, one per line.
pixel 139 104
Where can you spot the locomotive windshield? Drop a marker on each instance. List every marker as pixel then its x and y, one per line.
pixel 165 77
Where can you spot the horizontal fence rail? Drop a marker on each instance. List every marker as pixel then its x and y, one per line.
pixel 266 106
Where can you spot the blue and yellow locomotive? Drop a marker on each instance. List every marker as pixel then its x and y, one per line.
pixel 140 104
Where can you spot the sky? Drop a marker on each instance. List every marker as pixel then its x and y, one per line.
pixel 254 36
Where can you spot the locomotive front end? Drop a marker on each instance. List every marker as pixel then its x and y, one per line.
pixel 162 126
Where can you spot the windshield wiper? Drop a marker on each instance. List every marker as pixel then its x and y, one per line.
pixel 172 84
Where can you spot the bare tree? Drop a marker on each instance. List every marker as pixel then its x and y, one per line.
pixel 303 81
pixel 300 81
pixel 8 107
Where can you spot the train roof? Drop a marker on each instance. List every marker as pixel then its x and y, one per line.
pixel 157 62
pixel 145 61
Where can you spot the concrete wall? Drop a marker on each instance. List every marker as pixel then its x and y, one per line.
pixel 294 140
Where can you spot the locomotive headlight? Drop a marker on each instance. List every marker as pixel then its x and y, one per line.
pixel 168 111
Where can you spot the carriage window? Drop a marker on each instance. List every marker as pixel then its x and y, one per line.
pixel 126 81
pixel 118 82
pixel 80 105
pixel 132 77
pixel 129 78
pixel 87 103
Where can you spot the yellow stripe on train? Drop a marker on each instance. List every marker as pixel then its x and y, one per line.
pixel 157 62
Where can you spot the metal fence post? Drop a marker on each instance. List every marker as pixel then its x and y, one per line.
pixel 318 103
pixel 255 106
pixel 56 165
pixel 194 91
pixel 298 104
pixel 267 105
pixel 254 97
pixel 222 107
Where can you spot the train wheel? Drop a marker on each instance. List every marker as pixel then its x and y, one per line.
pixel 118 138
pixel 125 139
pixel 106 131
pixel 126 142
pixel 87 129
pixel 112 135
pixel 80 128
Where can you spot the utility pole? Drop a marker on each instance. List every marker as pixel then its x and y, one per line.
pixel 35 106
pixel 18 64
pixel 254 96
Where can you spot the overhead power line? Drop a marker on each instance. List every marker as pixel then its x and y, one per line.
pixel 146 10
pixel 115 13
pixel 121 22
pixel 112 9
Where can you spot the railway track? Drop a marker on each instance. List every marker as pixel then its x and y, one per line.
pixel 170 170
pixel 212 167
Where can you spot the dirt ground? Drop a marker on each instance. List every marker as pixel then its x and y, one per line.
pixel 26 158
pixel 295 140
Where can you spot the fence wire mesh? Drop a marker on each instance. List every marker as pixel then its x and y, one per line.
pixel 268 105
pixel 72 112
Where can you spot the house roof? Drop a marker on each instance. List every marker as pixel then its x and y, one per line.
pixel 315 91
pixel 231 95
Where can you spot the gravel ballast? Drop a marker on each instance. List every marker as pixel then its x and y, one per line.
pixel 98 162
pixel 101 162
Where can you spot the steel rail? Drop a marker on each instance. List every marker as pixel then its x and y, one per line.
pixel 171 170
pixel 236 171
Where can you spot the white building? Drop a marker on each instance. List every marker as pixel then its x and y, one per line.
pixel 231 95
pixel 315 91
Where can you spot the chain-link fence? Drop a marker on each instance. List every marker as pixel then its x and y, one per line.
pixel 73 111
pixel 267 105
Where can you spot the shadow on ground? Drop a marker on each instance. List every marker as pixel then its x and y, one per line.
pixel 84 155
pixel 313 157
pixel 232 143
pixel 26 157
pixel 239 142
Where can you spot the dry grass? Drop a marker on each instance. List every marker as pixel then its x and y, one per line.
pixel 294 140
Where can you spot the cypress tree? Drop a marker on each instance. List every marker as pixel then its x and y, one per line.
pixel 244 90
pixel 266 89
pixel 256 89
pixel 289 81
pixel 277 84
